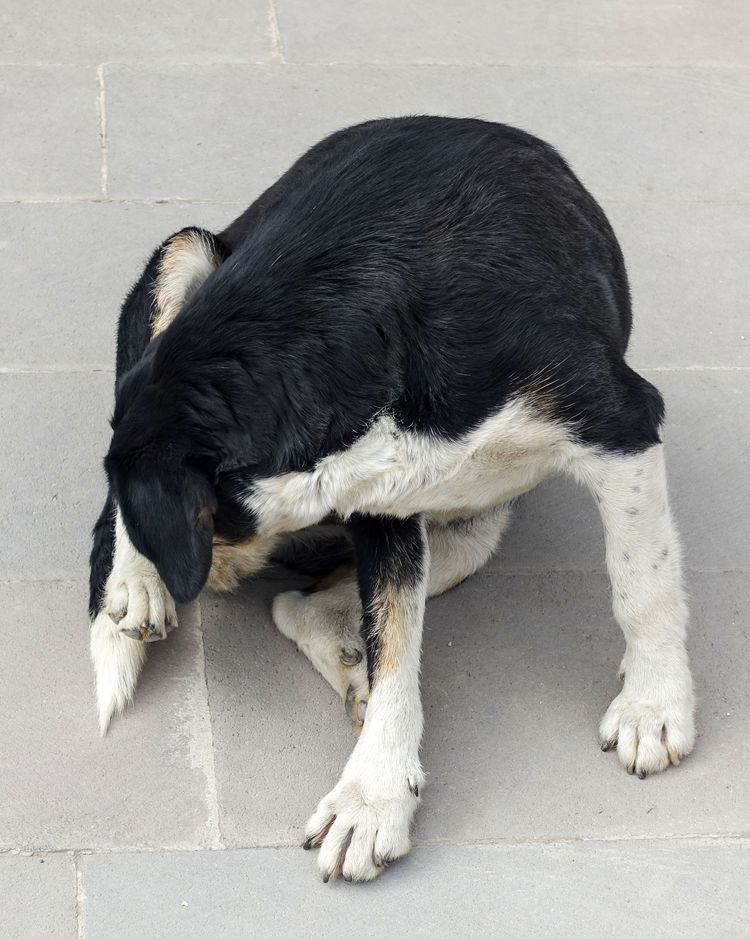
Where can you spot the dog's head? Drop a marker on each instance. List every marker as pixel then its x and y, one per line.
pixel 166 496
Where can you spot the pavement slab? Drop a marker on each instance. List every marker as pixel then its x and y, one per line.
pixel 174 31
pixel 147 784
pixel 652 888
pixel 659 133
pixel 515 32
pixel 39 896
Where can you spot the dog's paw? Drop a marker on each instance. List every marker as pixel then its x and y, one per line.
pixel 651 721
pixel 140 605
pixel 361 825
pixel 324 627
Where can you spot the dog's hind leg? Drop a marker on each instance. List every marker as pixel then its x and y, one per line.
pixel 651 720
pixel 324 621
pixel 126 595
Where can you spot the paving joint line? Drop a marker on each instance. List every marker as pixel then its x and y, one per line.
pixel 103 143
pixel 197 200
pixel 206 756
pixel 80 895
pixel 276 39
pixel 379 63
pixel 549 841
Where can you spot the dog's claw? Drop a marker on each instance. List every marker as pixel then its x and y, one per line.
pixel 357 708
pixel 146 633
pixel 339 866
pixel 136 634
pixel 316 839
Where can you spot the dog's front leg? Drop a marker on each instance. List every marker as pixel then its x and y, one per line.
pixel 135 608
pixel 364 821
pixel 651 720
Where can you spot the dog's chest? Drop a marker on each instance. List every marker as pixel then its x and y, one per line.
pixel 392 471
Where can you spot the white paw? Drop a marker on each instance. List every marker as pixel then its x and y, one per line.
pixel 139 604
pixel 651 720
pixel 325 628
pixel 363 824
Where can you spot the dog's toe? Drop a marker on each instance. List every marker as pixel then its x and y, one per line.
pixel 142 608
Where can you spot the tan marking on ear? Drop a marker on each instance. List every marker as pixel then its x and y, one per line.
pixel 231 562
pixel 186 262
pixel 391 611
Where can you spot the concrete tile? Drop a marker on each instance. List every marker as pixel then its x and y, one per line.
pixel 56 435
pixel 147 784
pixel 512 705
pixel 689 306
pixel 49 132
pixel 280 733
pixel 39 897
pixel 174 31
pixel 652 889
pixel 68 268
pixel 515 32
pixel 707 432
pixel 625 130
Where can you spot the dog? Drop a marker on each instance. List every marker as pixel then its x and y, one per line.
pixel 420 321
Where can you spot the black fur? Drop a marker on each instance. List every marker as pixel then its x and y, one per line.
pixel 431 267
pixel 390 555
pixel 133 336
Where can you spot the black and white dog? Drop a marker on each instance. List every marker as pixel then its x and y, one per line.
pixel 422 319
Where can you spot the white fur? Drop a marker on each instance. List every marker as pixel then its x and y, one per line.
pixel 652 717
pixel 118 661
pixel 459 547
pixel 373 803
pixel 135 599
pixel 402 473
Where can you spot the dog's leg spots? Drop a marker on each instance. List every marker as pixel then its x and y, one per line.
pixel 366 817
pixel 325 627
pixel 651 720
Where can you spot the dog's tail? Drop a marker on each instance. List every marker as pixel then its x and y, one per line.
pixel 118 661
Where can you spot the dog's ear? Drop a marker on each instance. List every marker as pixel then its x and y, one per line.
pixel 169 516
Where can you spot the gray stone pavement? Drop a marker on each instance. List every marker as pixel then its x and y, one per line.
pixel 120 123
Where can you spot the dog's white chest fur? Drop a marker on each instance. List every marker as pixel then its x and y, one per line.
pixel 398 472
